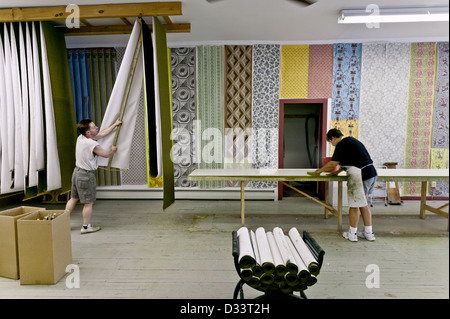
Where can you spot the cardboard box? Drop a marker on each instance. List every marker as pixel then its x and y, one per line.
pixel 45 247
pixel 9 256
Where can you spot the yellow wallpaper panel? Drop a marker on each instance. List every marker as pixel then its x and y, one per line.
pixel 294 71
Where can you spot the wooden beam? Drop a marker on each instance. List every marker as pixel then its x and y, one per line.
pixel 86 22
pixel 123 29
pixel 92 11
pixel 167 19
pixel 126 21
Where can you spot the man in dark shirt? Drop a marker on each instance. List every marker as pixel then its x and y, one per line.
pixel 352 156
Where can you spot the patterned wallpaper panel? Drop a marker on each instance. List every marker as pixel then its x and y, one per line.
pixel 266 90
pixel 346 81
pixel 420 110
pixel 210 109
pixel 384 99
pixel 184 113
pixel 294 71
pixel 320 77
pixel 440 135
pixel 238 107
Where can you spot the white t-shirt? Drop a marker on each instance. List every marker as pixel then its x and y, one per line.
pixel 84 153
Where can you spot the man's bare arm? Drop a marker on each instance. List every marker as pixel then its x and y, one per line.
pixel 98 150
pixel 107 131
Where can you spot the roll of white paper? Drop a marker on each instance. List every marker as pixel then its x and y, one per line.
pixel 257 269
pixel 280 267
pixel 303 273
pixel 246 254
pixel 285 253
pixel 265 254
pixel 255 247
pixel 304 252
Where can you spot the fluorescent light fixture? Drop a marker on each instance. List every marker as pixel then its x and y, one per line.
pixel 373 14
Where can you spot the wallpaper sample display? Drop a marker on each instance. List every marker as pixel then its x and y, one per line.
pixel 184 110
pixel 346 81
pixel 294 71
pixel 440 136
pixel 238 107
pixel 320 72
pixel 265 104
pixel 420 110
pixel 210 109
pixel 384 99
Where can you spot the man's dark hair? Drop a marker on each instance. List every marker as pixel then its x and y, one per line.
pixel 334 132
pixel 83 126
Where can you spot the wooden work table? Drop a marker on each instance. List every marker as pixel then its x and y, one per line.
pixel 284 175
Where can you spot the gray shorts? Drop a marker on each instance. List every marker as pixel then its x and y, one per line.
pixel 369 185
pixel 84 185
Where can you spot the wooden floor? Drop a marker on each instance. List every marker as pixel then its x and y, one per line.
pixel 185 252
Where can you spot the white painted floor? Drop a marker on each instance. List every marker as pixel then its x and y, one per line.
pixel 185 252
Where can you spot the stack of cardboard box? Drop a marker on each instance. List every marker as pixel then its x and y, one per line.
pixel 32 248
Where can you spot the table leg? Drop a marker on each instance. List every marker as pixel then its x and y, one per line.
pixel 423 199
pixel 242 204
pixel 326 200
pixel 339 217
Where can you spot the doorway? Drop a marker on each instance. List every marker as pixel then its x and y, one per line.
pixel 302 141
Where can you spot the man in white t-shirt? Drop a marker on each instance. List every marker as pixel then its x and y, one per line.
pixel 84 183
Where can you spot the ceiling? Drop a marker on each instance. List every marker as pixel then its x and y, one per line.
pixel 267 21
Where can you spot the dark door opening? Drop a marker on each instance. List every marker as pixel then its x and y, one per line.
pixel 302 141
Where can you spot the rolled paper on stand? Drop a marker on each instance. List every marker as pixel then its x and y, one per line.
pixel 246 274
pixel 300 287
pixel 285 253
pixel 311 280
pixel 266 278
pixel 246 254
pixel 303 272
pixel 280 268
pixel 278 279
pixel 257 269
pixel 304 252
pixel 254 282
pixel 265 254
pixel 285 288
pixel 292 279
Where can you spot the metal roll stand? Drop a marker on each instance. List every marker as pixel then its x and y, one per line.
pixel 313 246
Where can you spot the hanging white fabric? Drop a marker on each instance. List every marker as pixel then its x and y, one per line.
pixel 125 138
pixel 36 118
pixel 7 118
pixel 19 178
pixel 53 168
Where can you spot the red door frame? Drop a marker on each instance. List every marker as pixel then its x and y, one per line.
pixel 322 130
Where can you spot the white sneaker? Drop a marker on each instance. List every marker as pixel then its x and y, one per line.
pixel 368 236
pixel 350 236
pixel 89 229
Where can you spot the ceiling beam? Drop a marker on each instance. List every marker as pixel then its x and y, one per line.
pixel 92 11
pixel 123 29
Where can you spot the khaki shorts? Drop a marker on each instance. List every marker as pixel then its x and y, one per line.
pixel 84 185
